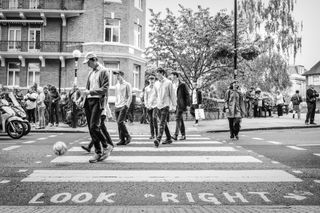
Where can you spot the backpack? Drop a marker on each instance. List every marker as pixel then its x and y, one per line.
pixel 295 100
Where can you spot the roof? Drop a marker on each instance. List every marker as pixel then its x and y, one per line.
pixel 314 70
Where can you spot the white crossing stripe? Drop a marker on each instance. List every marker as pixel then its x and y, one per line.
pixel 317 181
pixel 166 149
pixel 143 138
pixel 52 136
pixel 23 170
pixel 317 154
pixel 259 139
pixel 178 142
pixel 28 142
pixel 149 135
pixel 309 144
pixel 297 148
pixel 40 139
pixel 274 142
pixel 161 159
pixel 4 181
pixel 10 148
pixel 161 176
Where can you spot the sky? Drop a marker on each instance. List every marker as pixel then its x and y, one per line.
pixel 306 11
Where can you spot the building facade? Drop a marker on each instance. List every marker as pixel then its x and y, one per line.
pixel 38 38
pixel 313 76
pixel 297 79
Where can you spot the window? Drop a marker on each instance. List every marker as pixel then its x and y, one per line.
pixel 112 66
pixel 14 39
pixel 112 30
pixel 13 74
pixel 13 4
pixel 34 4
pixel 136 76
pixel 316 80
pixel 34 39
pixel 138 4
pixel 33 74
pixel 137 35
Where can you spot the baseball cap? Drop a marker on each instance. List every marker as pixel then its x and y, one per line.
pixel 89 56
pixel 116 72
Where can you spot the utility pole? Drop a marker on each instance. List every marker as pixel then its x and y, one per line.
pixel 235 71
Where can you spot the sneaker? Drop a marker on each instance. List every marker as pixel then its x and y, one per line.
pixel 151 137
pixel 156 143
pixel 306 123
pixel 51 125
pixel 313 123
pixel 196 124
pixel 95 158
pixel 121 143
pixel 57 125
pixel 237 137
pixel 182 138
pixel 168 141
pixel 174 137
pixel 109 150
pixel 86 148
pixel 104 155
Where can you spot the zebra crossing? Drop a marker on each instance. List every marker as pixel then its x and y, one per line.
pixel 141 153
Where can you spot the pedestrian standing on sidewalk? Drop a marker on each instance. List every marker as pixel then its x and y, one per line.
pixel 31 104
pixel 165 98
pixel 74 97
pixel 296 100
pixel 279 103
pixel 54 106
pixel 196 101
pixel 123 100
pixel 182 93
pixel 312 95
pixel 41 108
pixel 235 109
pixel 94 98
pixel 47 103
pixel 150 100
pixel 249 102
pixel 63 104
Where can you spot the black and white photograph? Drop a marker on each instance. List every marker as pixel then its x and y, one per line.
pixel 149 106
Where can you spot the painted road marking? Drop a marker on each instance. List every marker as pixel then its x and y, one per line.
pixel 40 139
pixel 52 136
pixel 316 154
pixel 259 139
pixel 135 138
pixel 182 143
pixel 38 162
pixel 10 148
pixel 275 162
pixel 48 156
pixel 274 142
pixel 308 144
pixel 317 181
pixel 149 135
pixel 166 149
pixel 4 181
pixel 297 171
pixel 297 148
pixel 28 142
pixel 22 170
pixel 161 176
pixel 161 159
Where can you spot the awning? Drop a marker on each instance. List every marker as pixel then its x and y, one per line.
pixel 17 21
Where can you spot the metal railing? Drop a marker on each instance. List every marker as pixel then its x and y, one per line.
pixel 42 4
pixel 39 46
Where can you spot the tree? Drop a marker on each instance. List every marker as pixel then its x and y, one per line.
pixel 197 44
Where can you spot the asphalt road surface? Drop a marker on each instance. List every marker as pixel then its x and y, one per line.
pixel 265 168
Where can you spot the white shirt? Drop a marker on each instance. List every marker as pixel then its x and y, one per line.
pixel 150 97
pixel 94 80
pixel 123 94
pixel 165 94
pixel 31 104
pixel 194 96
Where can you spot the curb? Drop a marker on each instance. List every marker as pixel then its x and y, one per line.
pixel 266 128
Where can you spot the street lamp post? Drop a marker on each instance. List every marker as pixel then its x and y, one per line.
pixel 76 55
pixel 235 40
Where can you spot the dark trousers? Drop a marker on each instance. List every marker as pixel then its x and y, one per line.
pixel 121 117
pixel 153 121
pixel 93 114
pixel 163 116
pixel 105 133
pixel 54 109
pixel 234 126
pixel 180 123
pixel 144 117
pixel 63 112
pixel 74 118
pixel 130 114
pixel 192 111
pixel 31 115
pixel 279 109
pixel 311 112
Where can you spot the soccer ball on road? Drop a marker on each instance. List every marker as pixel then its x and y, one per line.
pixel 60 148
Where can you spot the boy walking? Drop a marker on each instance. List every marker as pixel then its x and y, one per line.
pixel 150 99
pixel 296 100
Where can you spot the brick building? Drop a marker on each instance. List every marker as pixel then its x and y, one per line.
pixel 37 38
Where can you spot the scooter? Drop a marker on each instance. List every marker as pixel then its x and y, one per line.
pixel 9 122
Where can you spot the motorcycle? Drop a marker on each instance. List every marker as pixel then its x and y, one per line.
pixel 9 122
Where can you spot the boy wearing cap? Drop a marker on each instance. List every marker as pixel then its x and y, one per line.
pixel 123 99
pixel 183 97
pixel 165 98
pixel 96 90
pixel 151 105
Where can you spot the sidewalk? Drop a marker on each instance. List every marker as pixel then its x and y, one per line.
pixel 269 123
